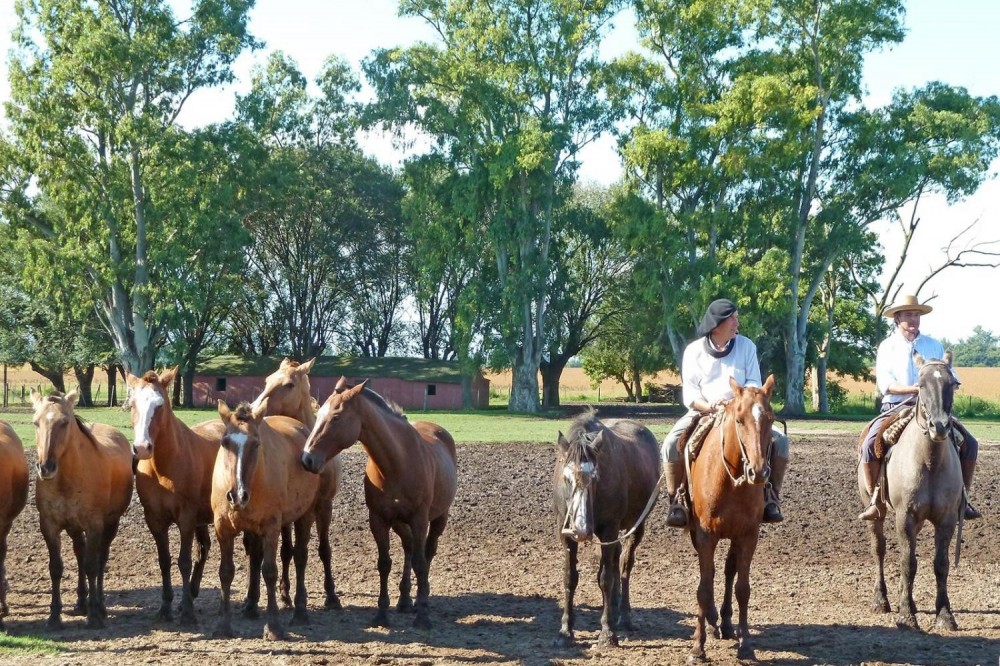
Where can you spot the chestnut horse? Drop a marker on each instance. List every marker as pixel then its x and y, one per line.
pixel 410 483
pixel 13 497
pixel 84 487
pixel 258 486
pixel 287 393
pixel 606 480
pixel 727 502
pixel 174 482
pixel 923 482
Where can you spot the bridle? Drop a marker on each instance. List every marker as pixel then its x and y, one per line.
pixel 744 477
pixel 921 409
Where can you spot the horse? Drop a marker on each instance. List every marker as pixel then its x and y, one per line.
pixel 174 481
pixel 13 497
pixel 287 393
pixel 258 486
pixel 923 482
pixel 84 487
pixel 606 480
pixel 727 506
pixel 410 483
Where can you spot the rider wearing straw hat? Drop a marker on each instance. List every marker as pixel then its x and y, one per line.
pixel 718 354
pixel 896 379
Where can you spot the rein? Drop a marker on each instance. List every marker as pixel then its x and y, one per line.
pixel 744 458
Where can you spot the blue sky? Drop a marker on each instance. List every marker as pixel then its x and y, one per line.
pixel 953 41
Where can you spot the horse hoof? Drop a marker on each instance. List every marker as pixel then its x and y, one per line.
pixel 380 620
pixel 94 622
pixel 273 633
pixel 945 622
pixel 54 623
pixel 696 657
pixel 421 621
pixel 332 602
pixel 404 605
pixel 286 601
pixel 607 639
pixel 907 622
pixel 300 618
pixel 78 611
pixel 188 619
pixel 250 612
pixel 746 653
pixel 728 633
pixel 223 631
pixel 625 625
pixel 563 641
pixel 881 606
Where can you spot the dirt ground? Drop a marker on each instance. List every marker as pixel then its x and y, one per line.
pixel 496 583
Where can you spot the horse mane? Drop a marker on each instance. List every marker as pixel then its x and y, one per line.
pixel 243 412
pixel 385 403
pixel 151 377
pixel 584 430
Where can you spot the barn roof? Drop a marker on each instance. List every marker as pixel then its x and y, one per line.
pixel 413 369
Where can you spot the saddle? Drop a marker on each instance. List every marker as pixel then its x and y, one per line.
pixel 889 432
pixel 691 440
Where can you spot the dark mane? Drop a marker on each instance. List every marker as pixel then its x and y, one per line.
pixel 151 377
pixel 243 412
pixel 385 404
pixel 86 429
pixel 584 428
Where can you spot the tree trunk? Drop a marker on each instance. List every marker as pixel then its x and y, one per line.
pixel 54 375
pixel 175 389
pixel 551 373
pixel 823 406
pixel 85 378
pixel 524 389
pixel 188 377
pixel 112 371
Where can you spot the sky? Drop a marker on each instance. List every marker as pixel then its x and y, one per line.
pixel 954 42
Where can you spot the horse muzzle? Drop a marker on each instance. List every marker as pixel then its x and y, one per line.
pixel 238 497
pixel 46 470
pixel 142 450
pixel 757 478
pixel 312 462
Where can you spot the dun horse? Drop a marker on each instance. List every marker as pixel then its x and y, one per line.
pixel 13 497
pixel 410 483
pixel 923 481
pixel 258 486
pixel 84 487
pixel 286 393
pixel 174 482
pixel 727 502
pixel 605 478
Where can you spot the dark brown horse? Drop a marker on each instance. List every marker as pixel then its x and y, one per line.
pixel 174 482
pixel 605 481
pixel 410 483
pixel 287 393
pixel 13 497
pixel 84 487
pixel 259 486
pixel 727 502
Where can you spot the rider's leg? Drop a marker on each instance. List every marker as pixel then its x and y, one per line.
pixel 673 471
pixel 968 454
pixel 872 468
pixel 772 491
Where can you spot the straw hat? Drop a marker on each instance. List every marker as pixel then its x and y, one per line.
pixel 908 302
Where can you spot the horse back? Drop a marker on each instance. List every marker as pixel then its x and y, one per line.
pixel 13 474
pixel 636 455
pixel 440 446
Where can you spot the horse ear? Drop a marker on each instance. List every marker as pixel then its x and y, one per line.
pixel 769 385
pixel 130 379
pixel 71 398
pixel 737 389
pixel 36 398
pixel 562 441
pixel 167 376
pixel 341 384
pixel 947 357
pixel 304 368
pixel 356 389
pixel 918 359
pixel 598 442
pixel 224 410
pixel 285 362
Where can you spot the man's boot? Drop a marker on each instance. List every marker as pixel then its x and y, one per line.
pixel 968 471
pixel 673 475
pixel 876 508
pixel 772 491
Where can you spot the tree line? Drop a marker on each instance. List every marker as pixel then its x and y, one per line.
pixel 752 170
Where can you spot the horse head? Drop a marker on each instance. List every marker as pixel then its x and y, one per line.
pixel 338 426
pixel 751 418
pixel 240 450
pixel 577 479
pixel 52 420
pixel 936 393
pixel 150 407
pixel 286 390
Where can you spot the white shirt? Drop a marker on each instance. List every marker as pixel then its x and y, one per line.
pixel 706 377
pixel 894 362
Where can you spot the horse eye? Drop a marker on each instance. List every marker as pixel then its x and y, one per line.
pixel 289 385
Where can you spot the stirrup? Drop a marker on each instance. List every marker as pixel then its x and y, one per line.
pixel 772 508
pixel 677 514
pixel 872 511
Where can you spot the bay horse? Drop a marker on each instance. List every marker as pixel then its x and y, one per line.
pixel 606 480
pixel 287 393
pixel 13 497
pixel 174 481
pixel 258 486
pixel 410 483
pixel 923 482
pixel 726 482
pixel 84 487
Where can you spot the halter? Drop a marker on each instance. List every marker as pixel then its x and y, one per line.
pixel 921 410
pixel 565 530
pixel 743 479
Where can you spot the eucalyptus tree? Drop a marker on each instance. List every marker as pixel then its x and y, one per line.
pixel 509 93
pixel 96 92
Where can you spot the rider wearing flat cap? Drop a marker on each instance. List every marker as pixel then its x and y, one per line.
pixel 718 354
pixel 896 377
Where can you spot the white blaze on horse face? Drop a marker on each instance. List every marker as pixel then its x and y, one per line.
pixel 758 413
pixel 937 374
pixel 578 506
pixel 240 440
pixel 322 413
pixel 255 405
pixel 146 400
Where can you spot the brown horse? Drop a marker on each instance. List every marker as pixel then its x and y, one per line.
pixel 605 481
pixel 287 393
pixel 84 487
pixel 174 482
pixel 410 483
pixel 727 502
pixel 258 486
pixel 13 497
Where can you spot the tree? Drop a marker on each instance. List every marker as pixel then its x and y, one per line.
pixel 981 349
pixel 96 91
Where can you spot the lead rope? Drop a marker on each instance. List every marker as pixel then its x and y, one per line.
pixel 642 517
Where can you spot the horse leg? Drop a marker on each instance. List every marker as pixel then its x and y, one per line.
pixel 421 568
pixel 4 608
pixel 324 516
pixel 79 552
pixel 252 546
pixel 726 629
pixel 161 538
pixel 907 531
pixel 942 540
pixel 405 602
pixel 705 545
pixel 224 628
pixel 110 532
pixel 624 620
pixel 745 549
pixel 204 545
pixel 54 544
pixel 269 568
pixel 380 531
pixel 94 540
pixel 880 602
pixel 607 577
pixel 303 528
pixel 287 549
pixel 570 579
pixel 184 563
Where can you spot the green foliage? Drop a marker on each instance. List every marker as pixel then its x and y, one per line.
pixel 981 349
